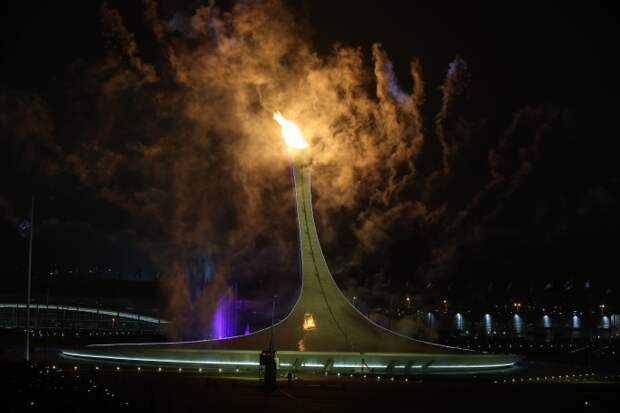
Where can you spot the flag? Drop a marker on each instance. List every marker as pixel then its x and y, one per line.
pixel 24 228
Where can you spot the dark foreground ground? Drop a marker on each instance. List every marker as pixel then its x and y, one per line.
pixel 66 387
pixel 544 382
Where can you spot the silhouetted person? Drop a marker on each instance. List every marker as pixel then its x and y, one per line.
pixel 289 377
pixel 364 365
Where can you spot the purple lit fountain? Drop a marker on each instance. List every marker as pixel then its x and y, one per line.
pixel 224 323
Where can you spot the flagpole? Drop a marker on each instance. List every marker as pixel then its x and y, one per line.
pixel 29 280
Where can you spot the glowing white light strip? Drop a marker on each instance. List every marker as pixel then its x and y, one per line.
pixel 158 360
pixel 472 366
pixel 353 366
pixel 419 366
pixel 312 365
pixel 252 363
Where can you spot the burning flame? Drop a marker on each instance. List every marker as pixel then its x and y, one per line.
pixel 291 133
pixel 309 323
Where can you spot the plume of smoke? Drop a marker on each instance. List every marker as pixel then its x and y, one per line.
pixel 453 86
pixel 189 149
pixel 115 29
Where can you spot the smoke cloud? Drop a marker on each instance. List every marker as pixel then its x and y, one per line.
pixel 182 138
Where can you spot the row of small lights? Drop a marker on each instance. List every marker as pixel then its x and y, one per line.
pixel 378 377
pixel 565 377
pixel 40 333
pixel 516 305
pixel 532 346
pixel 159 369
pixel 220 370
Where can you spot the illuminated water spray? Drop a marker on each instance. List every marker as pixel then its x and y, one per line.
pixel 459 322
pixel 431 322
pixel 223 324
pixel 488 324
pixel 517 325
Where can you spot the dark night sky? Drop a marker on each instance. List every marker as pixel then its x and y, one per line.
pixel 537 54
pixel 534 52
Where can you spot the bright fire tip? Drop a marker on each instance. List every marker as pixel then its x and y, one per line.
pixel 291 133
